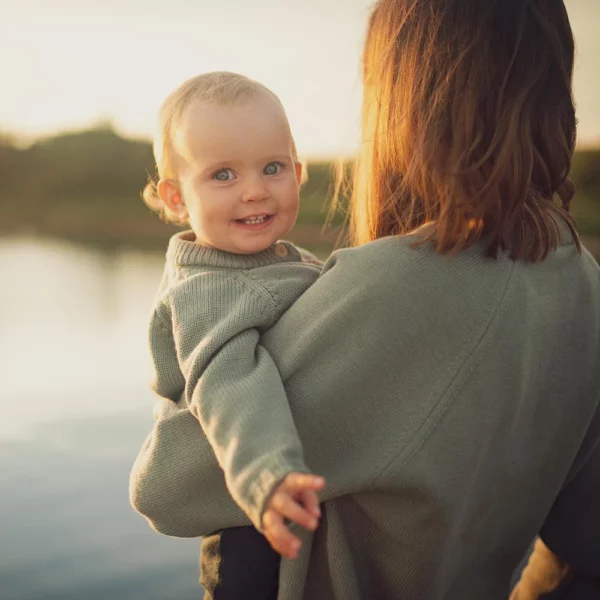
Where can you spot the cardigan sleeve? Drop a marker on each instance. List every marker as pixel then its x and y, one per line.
pixel 232 385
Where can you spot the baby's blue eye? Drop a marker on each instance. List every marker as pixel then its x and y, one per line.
pixel 223 175
pixel 272 168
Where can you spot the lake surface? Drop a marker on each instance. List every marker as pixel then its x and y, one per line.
pixel 75 410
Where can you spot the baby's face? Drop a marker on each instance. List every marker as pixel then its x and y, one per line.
pixel 238 177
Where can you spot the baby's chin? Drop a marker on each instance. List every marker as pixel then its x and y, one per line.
pixel 251 247
pixel 243 246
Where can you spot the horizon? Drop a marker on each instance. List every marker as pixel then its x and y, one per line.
pixel 24 143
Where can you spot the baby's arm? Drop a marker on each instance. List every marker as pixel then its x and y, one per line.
pixel 233 386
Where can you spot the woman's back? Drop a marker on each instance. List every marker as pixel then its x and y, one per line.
pixel 452 397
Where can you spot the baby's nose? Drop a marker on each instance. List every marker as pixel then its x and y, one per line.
pixel 255 190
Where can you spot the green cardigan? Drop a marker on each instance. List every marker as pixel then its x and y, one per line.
pixel 451 403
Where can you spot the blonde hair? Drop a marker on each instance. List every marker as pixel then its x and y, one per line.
pixel 468 123
pixel 221 87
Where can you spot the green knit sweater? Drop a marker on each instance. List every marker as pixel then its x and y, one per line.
pixel 452 405
pixel 204 331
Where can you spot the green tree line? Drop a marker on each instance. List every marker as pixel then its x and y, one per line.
pixel 86 186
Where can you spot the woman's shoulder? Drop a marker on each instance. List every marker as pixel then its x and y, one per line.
pixel 397 261
pixel 397 249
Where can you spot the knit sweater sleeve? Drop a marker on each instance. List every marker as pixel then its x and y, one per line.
pixel 232 385
pixel 166 378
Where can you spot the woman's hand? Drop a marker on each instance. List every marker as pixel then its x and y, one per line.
pixel 294 499
pixel 543 574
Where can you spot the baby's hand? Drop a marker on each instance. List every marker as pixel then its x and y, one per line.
pixel 295 499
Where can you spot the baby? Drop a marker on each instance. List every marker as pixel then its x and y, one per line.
pixel 227 166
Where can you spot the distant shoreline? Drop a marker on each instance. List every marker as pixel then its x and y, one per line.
pixel 155 239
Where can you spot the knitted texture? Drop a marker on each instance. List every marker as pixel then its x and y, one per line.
pixel 451 403
pixel 204 342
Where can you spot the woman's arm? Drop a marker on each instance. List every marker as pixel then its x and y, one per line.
pixel 176 482
pixel 543 574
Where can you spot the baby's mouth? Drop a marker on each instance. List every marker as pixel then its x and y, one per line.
pixel 255 220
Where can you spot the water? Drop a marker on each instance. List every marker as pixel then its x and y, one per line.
pixel 75 409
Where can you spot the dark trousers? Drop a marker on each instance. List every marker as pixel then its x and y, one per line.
pixel 576 586
pixel 238 564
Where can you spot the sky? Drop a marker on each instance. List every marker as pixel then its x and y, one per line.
pixel 71 64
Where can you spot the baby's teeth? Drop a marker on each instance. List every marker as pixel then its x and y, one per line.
pixel 255 221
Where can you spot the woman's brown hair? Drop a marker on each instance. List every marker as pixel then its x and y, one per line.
pixel 469 123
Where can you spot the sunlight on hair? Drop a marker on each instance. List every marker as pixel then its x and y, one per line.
pixel 474 132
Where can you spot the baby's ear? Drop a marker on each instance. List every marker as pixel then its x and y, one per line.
pixel 170 194
pixel 301 172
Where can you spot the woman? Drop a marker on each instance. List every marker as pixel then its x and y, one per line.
pixel 443 373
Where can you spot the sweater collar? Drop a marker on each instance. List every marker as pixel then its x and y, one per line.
pixel 185 252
